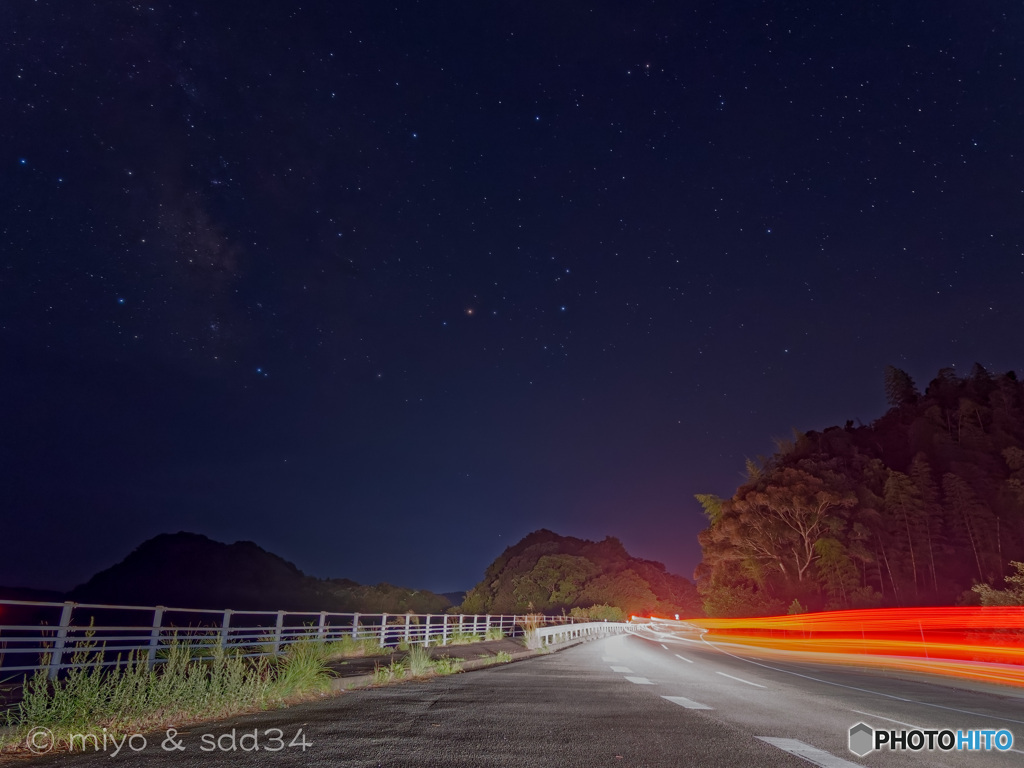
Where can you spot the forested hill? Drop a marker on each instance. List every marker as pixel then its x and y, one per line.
pixel 911 510
pixel 188 570
pixel 546 572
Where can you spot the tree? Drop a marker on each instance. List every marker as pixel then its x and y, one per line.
pixel 966 508
pixel 899 387
pixel 1012 595
pixel 782 523
pixel 836 572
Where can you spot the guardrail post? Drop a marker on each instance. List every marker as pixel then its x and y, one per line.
pixel 407 619
pixel 487 624
pixel 60 639
pixel 321 630
pixel 383 629
pixel 426 632
pixel 355 626
pixel 154 635
pixel 462 623
pixel 278 626
pixel 225 628
pixel 444 630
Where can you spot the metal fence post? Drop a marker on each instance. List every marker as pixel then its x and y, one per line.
pixel 355 626
pixel 383 630
pixel 407 618
pixel 321 630
pixel 225 628
pixel 154 635
pixel 60 639
pixel 426 632
pixel 487 624
pixel 277 632
pixel 462 620
pixel 444 630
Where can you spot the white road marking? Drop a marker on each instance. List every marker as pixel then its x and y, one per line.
pixel 621 669
pixel 862 690
pixel 889 719
pixel 688 703
pixel 740 679
pixel 639 680
pixel 810 754
pixel 688 661
pixel 612 659
pixel 664 646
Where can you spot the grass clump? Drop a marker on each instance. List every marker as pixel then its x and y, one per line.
pixel 463 638
pixel 446 665
pixel 390 673
pixel 302 670
pixel 418 661
pixel 494 633
pixel 348 648
pixel 135 697
pixel 530 624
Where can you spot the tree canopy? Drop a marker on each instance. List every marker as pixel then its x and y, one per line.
pixel 912 509
pixel 549 573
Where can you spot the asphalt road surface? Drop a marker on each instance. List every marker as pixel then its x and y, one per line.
pixel 654 699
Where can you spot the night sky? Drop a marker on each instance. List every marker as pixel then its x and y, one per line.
pixel 383 289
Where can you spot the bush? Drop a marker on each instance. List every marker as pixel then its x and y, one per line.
pixel 602 612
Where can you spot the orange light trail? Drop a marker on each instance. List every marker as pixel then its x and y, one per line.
pixel 974 643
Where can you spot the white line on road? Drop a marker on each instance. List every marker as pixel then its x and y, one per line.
pixel 621 669
pixel 879 717
pixel 688 661
pixel 639 680
pixel 756 685
pixel 664 646
pixel 612 659
pixel 688 703
pixel 809 753
pixel 862 690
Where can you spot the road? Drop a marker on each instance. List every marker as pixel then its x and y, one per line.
pixel 655 699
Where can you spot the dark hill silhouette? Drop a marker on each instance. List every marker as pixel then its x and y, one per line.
pixel 547 572
pixel 192 571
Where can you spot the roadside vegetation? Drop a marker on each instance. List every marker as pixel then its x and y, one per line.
pixel 138 697
pixel 135 698
pixel 417 664
pixel 924 506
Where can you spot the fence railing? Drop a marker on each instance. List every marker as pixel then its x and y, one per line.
pixel 561 634
pixel 59 636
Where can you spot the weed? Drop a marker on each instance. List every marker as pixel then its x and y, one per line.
pixel 499 658
pixel 418 661
pixel 348 647
pixel 446 665
pixel 393 671
pixel 463 638
pixel 134 696
pixel 494 633
pixel 530 624
pixel 302 669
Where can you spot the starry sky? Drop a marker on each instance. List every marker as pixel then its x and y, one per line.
pixel 383 287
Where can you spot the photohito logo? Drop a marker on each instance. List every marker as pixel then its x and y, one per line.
pixel 865 739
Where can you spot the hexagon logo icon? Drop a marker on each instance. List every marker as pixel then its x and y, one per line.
pixel 862 739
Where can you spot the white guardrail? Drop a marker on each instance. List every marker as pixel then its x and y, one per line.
pixel 60 636
pixel 566 632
